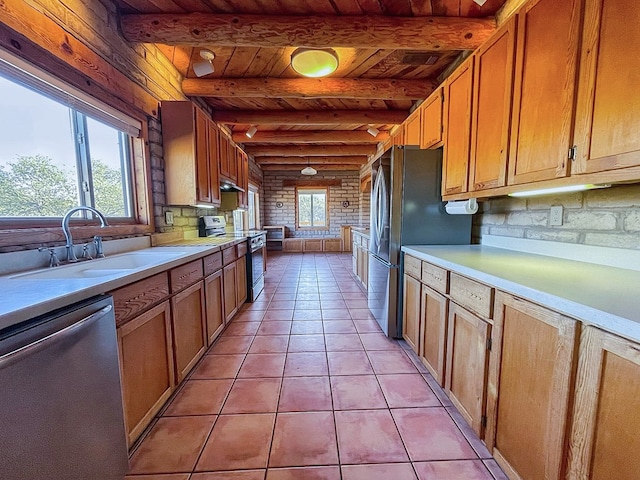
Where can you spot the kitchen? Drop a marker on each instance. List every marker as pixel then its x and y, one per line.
pixel 79 44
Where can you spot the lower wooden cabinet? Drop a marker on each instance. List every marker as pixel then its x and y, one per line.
pixel 604 439
pixel 467 364
pixel 188 328
pixel 146 367
pixel 530 386
pixel 241 281
pixel 434 309
pixel 214 301
pixel 411 312
pixel 230 294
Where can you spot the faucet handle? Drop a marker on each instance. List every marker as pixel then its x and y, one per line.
pixel 85 252
pixel 97 240
pixel 54 261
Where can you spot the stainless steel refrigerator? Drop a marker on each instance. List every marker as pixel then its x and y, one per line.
pixel 406 209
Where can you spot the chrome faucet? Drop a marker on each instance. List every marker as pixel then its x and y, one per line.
pixel 71 255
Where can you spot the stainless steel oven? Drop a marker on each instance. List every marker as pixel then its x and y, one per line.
pixel 256 266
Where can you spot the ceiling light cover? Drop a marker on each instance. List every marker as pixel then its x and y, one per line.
pixel 373 131
pixel 252 131
pixel 308 171
pixel 314 63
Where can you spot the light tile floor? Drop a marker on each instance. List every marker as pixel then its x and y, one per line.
pixel 303 385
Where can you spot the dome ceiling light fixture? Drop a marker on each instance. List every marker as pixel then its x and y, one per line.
pixel 308 170
pixel 204 66
pixel 314 63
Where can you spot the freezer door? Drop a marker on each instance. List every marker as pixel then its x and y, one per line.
pixel 382 294
pixel 381 208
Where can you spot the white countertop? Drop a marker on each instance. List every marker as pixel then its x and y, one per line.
pixel 604 296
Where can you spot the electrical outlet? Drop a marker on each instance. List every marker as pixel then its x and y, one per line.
pixel 168 218
pixel 555 215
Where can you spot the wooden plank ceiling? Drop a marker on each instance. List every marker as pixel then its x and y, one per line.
pixel 390 54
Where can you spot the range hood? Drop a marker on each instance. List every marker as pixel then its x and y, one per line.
pixel 227 186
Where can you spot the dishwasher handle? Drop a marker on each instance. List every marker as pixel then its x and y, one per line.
pixel 43 342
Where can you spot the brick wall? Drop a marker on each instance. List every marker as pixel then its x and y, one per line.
pixel 604 217
pixel 274 192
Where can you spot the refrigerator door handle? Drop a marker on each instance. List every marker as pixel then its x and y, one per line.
pixel 380 195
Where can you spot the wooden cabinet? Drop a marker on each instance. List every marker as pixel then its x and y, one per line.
pixel 241 280
pixel 146 367
pixel 457 124
pixel 492 91
pixel 431 125
pixel 230 293
pixel 243 178
pixel 434 309
pixel 608 104
pixel 544 90
pixel 133 299
pixel 467 364
pixel 312 245
pixel 530 386
pixel 604 439
pixel 214 301
pixel 412 128
pixel 225 152
pixel 411 312
pixel 361 258
pixel 332 245
pixel 188 328
pixel 293 245
pixel 191 149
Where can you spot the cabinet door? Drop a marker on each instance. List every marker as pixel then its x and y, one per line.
pixel 433 332
pixel 530 388
pixel 467 364
pixel 604 439
pixel 608 107
pixel 224 155
pixel 411 312
pixel 146 367
pixel 412 127
pixel 544 89
pixel 188 327
pixel 203 182
pixel 241 280
pixel 214 160
pixel 230 295
pixel 234 160
pixel 457 121
pixel 493 86
pixel 431 134
pixel 214 301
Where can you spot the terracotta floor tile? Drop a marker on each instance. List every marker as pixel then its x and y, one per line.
pixel 302 439
pixel 407 390
pixel 241 328
pixel 306 364
pixel 250 316
pixel 478 445
pixel 306 343
pixel 361 314
pixel 218 366
pixel 391 362
pixel 336 314
pixel 330 293
pixel 305 394
pixel 354 295
pixel 275 328
pixel 304 473
pixel 366 326
pixel 253 395
pixel 172 446
pixel 175 476
pixel 261 365
pixel 307 315
pixel 306 327
pixel 238 442
pixel 230 345
pixel 278 296
pixel 368 436
pixel 307 305
pixel 350 287
pixel 437 389
pixel 342 342
pixel 339 326
pixel 286 289
pixel 430 434
pixel 382 471
pixel 233 475
pixel 270 344
pixel 315 297
pixel 453 470
pixel 199 397
pixel 379 341
pixel 278 316
pixel 349 363
pixel 332 304
pixel 282 305
pixel 359 392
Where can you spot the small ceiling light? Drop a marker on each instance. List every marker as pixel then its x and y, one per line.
pixel 252 131
pixel 549 191
pixel 308 170
pixel 373 131
pixel 205 66
pixel 314 63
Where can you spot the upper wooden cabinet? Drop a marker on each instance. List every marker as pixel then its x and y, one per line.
pixel 214 162
pixel 544 90
pixel 608 105
pixel 492 93
pixel 412 127
pixel 457 126
pixel 225 151
pixel 431 123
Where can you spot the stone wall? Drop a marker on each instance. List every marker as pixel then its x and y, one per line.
pixel 604 217
pixel 274 192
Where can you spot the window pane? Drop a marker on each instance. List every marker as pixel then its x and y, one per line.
pixel 37 154
pixel 109 161
pixel 304 210
pixel 252 211
pixel 319 211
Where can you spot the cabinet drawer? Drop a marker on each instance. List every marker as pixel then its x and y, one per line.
pixel 412 266
pixel 471 294
pixel 131 300
pixel 435 277
pixel 212 263
pixel 242 249
pixel 185 275
pixel 229 255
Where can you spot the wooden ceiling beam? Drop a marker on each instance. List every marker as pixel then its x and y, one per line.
pixel 309 150
pixel 271 168
pixel 318 136
pixel 310 117
pixel 275 31
pixel 364 88
pixel 328 160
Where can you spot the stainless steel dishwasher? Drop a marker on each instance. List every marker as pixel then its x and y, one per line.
pixel 61 411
